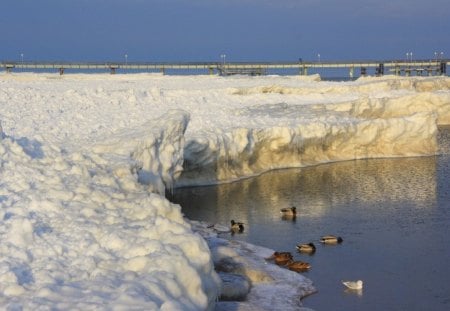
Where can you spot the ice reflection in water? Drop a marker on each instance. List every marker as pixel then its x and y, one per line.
pixel 392 213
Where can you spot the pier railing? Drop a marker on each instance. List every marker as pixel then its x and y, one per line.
pixel 376 67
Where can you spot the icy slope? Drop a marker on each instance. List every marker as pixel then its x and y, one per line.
pixel 154 151
pixel 78 231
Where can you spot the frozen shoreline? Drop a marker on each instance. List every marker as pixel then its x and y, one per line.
pixel 249 281
pixel 84 159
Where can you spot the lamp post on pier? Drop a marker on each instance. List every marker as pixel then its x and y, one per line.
pixel 222 57
pixel 409 56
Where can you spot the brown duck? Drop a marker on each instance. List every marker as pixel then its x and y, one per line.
pixel 298 266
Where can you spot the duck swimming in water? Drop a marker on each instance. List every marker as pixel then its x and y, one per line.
pixel 306 248
pixel 331 239
pixel 289 211
pixel 237 226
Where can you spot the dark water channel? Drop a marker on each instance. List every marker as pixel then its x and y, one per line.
pixel 393 214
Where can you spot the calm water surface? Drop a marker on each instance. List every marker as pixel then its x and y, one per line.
pixel 393 214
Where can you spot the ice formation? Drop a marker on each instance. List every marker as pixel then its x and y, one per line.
pixel 85 161
pixel 78 231
pixel 367 127
pixel 155 150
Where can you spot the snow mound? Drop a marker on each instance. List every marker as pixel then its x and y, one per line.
pixel 154 151
pixel 75 238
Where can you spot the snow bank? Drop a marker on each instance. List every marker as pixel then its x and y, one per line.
pixel 364 85
pixel 364 128
pixel 155 150
pixel 85 159
pixel 79 232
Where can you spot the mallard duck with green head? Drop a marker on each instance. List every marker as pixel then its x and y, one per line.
pixel 331 239
pixel 306 248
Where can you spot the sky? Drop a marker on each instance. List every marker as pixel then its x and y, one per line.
pixel 202 30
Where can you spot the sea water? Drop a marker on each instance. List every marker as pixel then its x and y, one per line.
pixel 393 215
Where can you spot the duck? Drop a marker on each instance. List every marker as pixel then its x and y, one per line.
pixel 298 266
pixel 237 226
pixel 306 248
pixel 355 285
pixel 281 258
pixel 289 211
pixel 279 255
pixel 331 239
pixel 281 261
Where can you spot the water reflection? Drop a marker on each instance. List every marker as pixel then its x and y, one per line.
pixel 315 190
pixel 357 292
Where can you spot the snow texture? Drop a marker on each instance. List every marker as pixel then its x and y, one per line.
pixel 85 161
pixel 79 232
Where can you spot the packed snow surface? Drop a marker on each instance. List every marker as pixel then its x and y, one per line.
pixel 85 161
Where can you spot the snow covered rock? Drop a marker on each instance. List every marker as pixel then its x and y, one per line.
pixel 234 286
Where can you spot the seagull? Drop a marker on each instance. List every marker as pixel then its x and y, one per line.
pixel 355 285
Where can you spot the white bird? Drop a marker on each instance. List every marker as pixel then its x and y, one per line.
pixel 353 284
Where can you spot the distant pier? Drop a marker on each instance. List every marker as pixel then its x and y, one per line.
pixel 354 68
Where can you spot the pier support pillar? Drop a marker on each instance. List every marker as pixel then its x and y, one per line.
pixel 304 71
pixel 363 71
pixel 380 70
pixel 9 68
pixel 112 69
pixel 443 68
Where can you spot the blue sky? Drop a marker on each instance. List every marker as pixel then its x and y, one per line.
pixel 202 30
